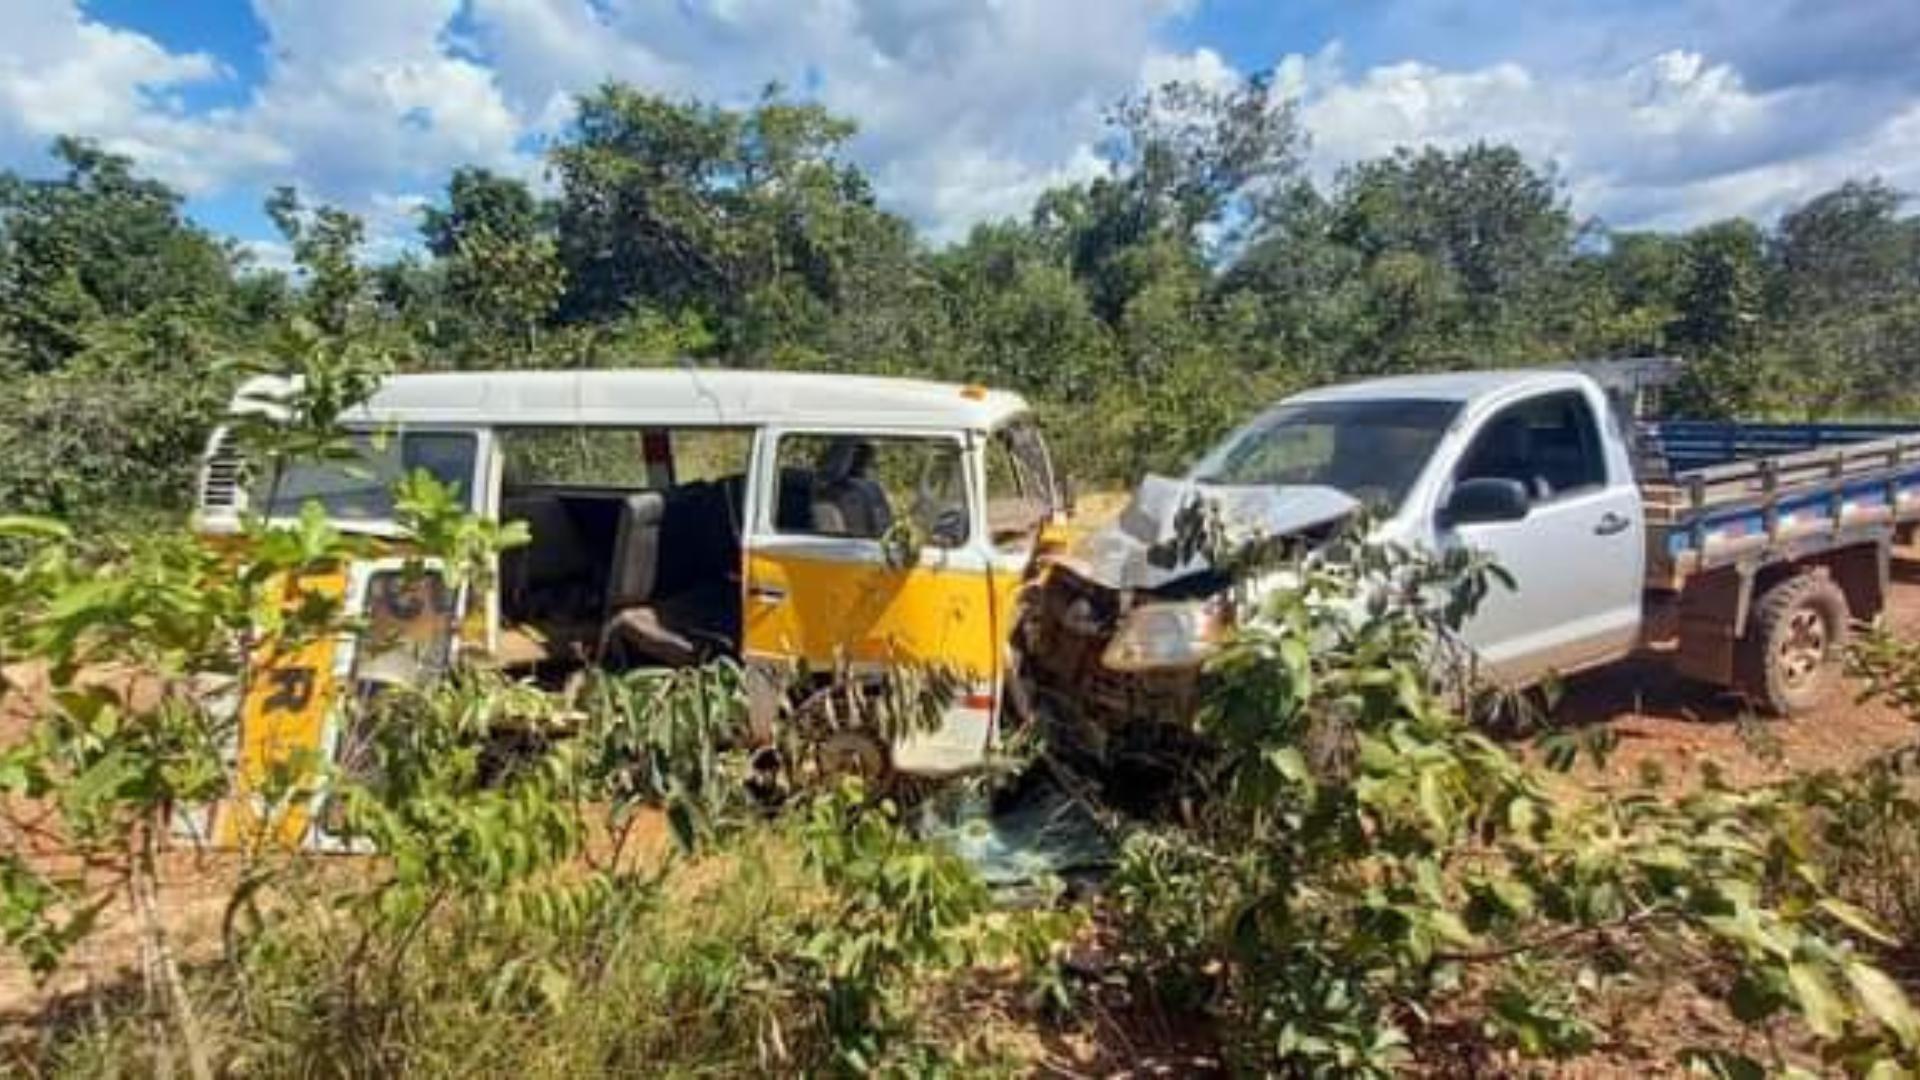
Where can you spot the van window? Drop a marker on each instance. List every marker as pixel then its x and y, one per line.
pixel 861 485
pixel 1019 490
pixel 626 458
pixel 575 457
pixel 360 487
pixel 1550 444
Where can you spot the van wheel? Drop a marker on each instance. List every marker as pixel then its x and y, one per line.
pixel 1798 631
pixel 855 753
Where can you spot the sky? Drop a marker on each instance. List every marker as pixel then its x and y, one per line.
pixel 1653 113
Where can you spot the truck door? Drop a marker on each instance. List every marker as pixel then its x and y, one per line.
pixel 834 578
pixel 1576 557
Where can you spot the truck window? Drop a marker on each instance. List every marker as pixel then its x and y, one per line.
pixel 860 485
pixel 360 488
pixel 1550 444
pixel 1373 450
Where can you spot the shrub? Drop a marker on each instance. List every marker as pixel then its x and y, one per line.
pixel 1373 864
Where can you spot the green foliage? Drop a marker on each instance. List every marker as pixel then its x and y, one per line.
pixel 1372 862
pixel 901 912
pixel 99 244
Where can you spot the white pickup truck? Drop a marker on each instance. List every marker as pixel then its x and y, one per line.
pixel 1741 553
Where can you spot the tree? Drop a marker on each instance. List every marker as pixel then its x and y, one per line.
pixel 479 200
pixel 1847 248
pixel 1723 288
pixel 748 218
pixel 98 243
pixel 1193 155
pixel 1482 213
pixel 326 246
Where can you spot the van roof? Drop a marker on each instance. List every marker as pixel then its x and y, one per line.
pixel 669 397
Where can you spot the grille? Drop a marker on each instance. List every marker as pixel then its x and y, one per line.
pixel 220 474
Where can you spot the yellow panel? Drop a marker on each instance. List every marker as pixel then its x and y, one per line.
pixel 862 612
pixel 283 725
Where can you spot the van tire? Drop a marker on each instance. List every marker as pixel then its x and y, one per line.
pixel 1789 657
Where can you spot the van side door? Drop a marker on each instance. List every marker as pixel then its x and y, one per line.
pixel 865 552
pixel 1577 555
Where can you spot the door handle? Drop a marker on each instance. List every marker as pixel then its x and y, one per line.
pixel 1611 523
pixel 767 594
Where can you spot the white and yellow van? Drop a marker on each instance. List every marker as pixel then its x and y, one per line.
pixel 677 515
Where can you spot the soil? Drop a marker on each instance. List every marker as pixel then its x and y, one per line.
pixel 1669 729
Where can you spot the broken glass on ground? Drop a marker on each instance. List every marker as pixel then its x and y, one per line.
pixel 1027 841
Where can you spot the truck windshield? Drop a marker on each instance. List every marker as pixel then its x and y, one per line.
pixel 1372 450
pixel 360 487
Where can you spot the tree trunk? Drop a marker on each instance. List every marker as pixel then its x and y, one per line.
pixel 166 990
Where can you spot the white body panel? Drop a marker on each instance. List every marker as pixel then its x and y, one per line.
pixel 1577 560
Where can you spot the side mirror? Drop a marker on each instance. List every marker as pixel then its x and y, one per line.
pixel 949 528
pixel 1486 499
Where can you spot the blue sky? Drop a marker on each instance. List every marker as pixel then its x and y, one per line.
pixel 1653 114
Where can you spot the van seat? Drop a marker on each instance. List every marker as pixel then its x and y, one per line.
pixel 679 603
pixel 690 627
pixel 543 582
pixel 555 558
pixel 636 551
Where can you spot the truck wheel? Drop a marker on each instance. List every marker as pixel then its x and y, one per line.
pixel 1798 630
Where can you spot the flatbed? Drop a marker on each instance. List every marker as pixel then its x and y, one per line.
pixel 1722 494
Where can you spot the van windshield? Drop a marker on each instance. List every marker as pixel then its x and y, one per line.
pixel 1372 450
pixel 360 487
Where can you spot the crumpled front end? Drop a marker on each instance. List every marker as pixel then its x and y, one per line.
pixel 1070 625
pixel 1116 633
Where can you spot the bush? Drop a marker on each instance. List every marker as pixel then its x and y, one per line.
pixel 1372 865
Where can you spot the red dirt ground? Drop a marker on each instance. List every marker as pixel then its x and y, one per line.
pixel 1667 723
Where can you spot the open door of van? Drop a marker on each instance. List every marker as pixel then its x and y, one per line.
pixel 862 554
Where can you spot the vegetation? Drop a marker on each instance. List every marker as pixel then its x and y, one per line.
pixel 1371 881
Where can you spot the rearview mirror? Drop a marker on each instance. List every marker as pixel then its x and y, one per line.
pixel 1486 499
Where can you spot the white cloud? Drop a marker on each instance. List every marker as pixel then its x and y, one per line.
pixel 966 110
pixel 969 109
pixel 1202 67
pixel 367 94
pixel 1668 142
pixel 62 73
pixel 359 97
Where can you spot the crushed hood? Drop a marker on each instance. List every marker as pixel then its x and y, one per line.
pixel 1142 548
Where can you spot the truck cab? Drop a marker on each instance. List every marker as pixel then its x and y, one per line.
pixel 1532 469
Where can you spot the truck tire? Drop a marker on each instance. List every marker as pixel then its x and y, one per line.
pixel 1797 632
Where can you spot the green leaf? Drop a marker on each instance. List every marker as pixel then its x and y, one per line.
pixel 1434 803
pixel 1448 927
pixel 39 528
pixel 1290 763
pixel 1724 1064
pixel 1858 921
pixel 1885 1000
pixel 1825 1013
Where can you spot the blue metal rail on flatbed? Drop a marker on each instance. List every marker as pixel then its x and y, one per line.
pixel 1717 494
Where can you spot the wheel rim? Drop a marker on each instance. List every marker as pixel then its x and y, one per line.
pixel 1802 649
pixel 852 753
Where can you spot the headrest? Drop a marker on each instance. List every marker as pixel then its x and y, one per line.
pixel 841 459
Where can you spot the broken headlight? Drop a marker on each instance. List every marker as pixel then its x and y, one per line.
pixel 1178 634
